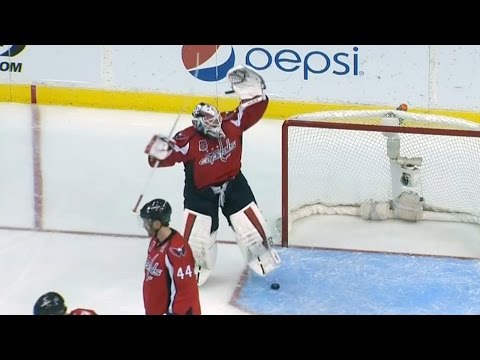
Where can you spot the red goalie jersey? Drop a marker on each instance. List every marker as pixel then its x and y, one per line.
pixel 211 161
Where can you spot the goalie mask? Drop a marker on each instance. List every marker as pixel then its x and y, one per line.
pixel 207 120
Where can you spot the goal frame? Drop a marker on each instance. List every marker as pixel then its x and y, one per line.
pixel 341 127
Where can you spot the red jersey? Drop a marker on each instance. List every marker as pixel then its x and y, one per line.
pixel 170 285
pixel 214 161
pixel 82 312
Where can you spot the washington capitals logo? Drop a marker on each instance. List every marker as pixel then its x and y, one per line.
pixel 178 252
pixel 47 302
pixel 152 268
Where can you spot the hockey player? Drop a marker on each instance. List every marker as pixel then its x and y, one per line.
pixel 211 151
pixel 169 287
pixel 52 303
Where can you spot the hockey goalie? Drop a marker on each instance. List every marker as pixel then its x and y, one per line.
pixel 211 151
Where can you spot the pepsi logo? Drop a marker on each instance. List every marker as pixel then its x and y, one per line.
pixel 11 50
pixel 208 62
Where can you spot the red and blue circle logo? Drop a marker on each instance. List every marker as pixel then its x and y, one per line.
pixel 208 62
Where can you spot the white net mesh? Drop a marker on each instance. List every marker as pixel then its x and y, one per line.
pixel 334 171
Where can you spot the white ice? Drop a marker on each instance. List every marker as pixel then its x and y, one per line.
pixel 93 171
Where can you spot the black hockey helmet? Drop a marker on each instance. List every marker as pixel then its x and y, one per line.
pixel 51 303
pixel 157 209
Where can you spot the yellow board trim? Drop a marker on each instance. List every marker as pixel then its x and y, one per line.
pixel 171 103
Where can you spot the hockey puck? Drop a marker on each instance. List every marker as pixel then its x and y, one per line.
pixel 275 286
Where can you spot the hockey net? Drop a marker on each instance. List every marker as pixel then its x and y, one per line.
pixel 379 165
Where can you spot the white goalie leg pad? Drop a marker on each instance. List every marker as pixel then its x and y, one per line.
pixel 204 245
pixel 409 206
pixel 254 240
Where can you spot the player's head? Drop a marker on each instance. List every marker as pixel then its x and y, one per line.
pixel 51 303
pixel 155 214
pixel 208 120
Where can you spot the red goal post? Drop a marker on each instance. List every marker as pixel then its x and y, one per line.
pixel 379 164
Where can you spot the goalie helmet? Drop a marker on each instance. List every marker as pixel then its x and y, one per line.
pixel 51 303
pixel 157 209
pixel 208 120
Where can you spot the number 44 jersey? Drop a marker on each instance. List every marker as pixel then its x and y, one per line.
pixel 170 286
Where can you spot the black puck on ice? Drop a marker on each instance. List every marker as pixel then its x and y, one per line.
pixel 275 286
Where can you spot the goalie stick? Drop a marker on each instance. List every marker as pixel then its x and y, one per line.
pixel 170 135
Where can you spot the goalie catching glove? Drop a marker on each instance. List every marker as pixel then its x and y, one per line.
pixel 246 82
pixel 160 147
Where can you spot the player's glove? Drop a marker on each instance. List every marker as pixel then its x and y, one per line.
pixel 160 147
